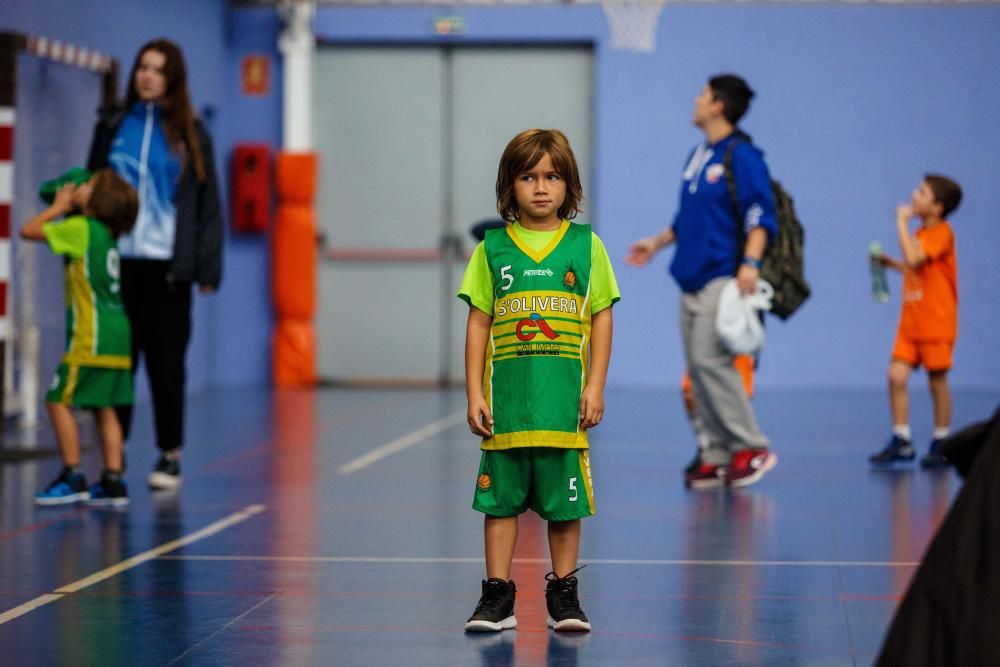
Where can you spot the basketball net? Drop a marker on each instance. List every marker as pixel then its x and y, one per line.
pixel 633 23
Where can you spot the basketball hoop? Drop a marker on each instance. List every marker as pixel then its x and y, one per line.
pixel 633 23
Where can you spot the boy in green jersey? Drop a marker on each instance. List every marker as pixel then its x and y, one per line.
pixel 95 370
pixel 538 342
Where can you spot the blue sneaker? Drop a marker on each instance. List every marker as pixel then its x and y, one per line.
pixel 898 449
pixel 934 457
pixel 68 487
pixel 110 491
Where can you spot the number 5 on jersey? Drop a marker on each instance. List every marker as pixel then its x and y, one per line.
pixel 506 277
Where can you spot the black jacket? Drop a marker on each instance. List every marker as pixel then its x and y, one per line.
pixel 950 614
pixel 198 241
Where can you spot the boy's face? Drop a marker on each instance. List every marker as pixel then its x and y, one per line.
pixel 540 192
pixel 706 107
pixel 150 81
pixel 923 202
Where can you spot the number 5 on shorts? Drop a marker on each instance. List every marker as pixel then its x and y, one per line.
pixel 572 487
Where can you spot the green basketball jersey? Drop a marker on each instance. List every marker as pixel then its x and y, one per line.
pixel 537 357
pixel 97 328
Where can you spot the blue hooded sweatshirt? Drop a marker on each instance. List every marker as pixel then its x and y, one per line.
pixel 709 240
pixel 140 154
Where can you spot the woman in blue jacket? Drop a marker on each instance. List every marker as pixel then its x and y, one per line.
pixel 155 142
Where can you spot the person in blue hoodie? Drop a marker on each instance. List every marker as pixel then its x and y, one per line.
pixel 157 144
pixel 716 242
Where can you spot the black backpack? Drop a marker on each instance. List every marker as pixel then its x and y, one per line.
pixel 782 264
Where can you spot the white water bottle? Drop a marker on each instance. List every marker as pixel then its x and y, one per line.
pixel 880 283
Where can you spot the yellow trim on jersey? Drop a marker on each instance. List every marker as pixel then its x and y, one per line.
pixel 556 439
pixel 113 361
pixel 72 377
pixel 588 482
pixel 538 255
pixel 82 302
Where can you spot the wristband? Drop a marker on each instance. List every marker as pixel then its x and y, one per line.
pixel 750 261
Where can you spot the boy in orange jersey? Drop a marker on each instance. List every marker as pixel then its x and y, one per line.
pixel 928 322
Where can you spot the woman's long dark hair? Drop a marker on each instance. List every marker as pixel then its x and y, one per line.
pixel 178 115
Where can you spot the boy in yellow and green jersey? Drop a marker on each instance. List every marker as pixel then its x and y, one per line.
pixel 95 372
pixel 538 342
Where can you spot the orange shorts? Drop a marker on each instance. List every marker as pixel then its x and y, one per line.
pixel 932 355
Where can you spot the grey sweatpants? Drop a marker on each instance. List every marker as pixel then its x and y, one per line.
pixel 723 409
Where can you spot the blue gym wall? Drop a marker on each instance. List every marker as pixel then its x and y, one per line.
pixel 855 103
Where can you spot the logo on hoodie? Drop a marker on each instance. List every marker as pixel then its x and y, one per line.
pixel 714 173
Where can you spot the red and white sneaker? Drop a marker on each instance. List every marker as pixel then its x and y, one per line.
pixel 705 476
pixel 749 465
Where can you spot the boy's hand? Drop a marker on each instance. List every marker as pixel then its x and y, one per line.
pixel 480 418
pixel 903 213
pixel 591 407
pixel 640 252
pixel 63 201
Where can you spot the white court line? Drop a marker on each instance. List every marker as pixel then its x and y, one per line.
pixel 596 561
pixel 402 443
pixel 223 628
pixel 132 562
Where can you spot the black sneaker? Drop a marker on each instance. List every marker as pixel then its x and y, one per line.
pixel 563 604
pixel 495 610
pixel 898 449
pixel 69 487
pixel 934 457
pixel 167 473
pixel 111 490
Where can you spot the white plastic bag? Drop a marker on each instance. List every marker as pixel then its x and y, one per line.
pixel 737 320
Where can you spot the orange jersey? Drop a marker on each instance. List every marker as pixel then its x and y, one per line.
pixel 930 291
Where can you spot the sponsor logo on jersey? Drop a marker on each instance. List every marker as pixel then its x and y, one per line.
pixel 538 272
pixel 526 328
pixel 536 304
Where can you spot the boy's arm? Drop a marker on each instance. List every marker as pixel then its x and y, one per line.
pixel 913 254
pixel 61 205
pixel 477 333
pixel 892 263
pixel 592 399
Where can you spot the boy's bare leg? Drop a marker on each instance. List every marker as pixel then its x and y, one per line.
pixel 938 381
pixel 111 438
pixel 564 545
pixel 66 433
pixel 501 536
pixel 899 398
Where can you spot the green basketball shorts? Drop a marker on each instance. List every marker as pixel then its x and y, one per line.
pixel 554 482
pixel 90 387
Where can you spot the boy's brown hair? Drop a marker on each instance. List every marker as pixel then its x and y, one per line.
pixel 947 192
pixel 113 201
pixel 522 153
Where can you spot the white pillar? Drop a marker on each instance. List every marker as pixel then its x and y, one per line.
pixel 297 45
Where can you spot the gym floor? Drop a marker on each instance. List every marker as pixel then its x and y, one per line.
pixel 335 527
